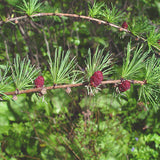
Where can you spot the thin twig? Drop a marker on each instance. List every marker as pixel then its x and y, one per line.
pixel 7 54
pixel 6 48
pixel 26 38
pixel 28 157
pixel 32 90
pixel 71 149
pixel 66 15
pixel 16 19
pixel 47 44
pixel 2 157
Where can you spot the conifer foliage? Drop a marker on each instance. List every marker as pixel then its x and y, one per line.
pixel 96 69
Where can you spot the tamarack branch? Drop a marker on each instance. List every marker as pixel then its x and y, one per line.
pixel 33 90
pixel 16 19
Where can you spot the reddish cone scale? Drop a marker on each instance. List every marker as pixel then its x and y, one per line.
pixel 39 82
pixel 158 41
pixel 124 86
pixel 96 79
pixel 125 25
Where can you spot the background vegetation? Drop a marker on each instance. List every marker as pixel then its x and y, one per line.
pixel 70 123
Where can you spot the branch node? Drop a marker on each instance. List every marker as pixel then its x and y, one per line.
pixel 68 90
pixel 43 91
pixel 144 82
pixel 14 97
pixel 17 91
pixel 132 81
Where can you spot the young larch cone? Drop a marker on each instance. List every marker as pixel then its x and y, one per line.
pixel 39 82
pixel 96 79
pixel 125 25
pixel 124 86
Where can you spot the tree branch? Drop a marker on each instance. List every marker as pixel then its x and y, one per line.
pixel 66 15
pixel 16 19
pixel 32 90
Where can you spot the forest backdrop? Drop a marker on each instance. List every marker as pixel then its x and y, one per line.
pixel 74 114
